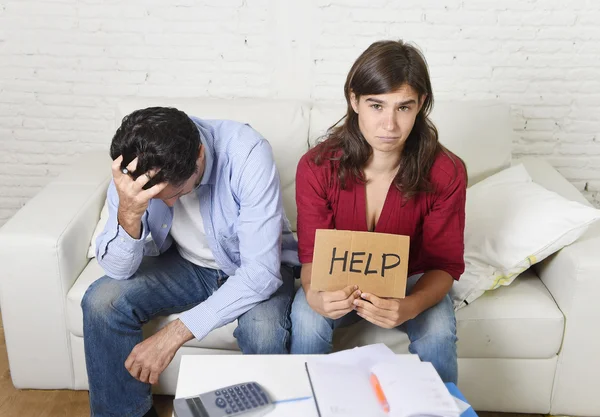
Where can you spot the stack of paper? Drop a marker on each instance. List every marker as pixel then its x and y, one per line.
pixel 342 386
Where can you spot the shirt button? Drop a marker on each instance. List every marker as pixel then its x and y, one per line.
pixel 164 226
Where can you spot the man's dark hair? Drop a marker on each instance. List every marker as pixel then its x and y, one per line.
pixel 162 138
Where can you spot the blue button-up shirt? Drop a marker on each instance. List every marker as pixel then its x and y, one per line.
pixel 244 221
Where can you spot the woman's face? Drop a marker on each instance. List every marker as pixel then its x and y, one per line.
pixel 386 120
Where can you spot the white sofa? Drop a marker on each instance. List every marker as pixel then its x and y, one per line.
pixel 532 347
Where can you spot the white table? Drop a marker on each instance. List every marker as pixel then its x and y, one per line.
pixel 284 377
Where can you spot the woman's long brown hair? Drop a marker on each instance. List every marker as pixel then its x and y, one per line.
pixel 382 68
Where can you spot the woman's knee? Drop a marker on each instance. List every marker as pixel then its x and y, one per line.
pixel 302 312
pixel 310 330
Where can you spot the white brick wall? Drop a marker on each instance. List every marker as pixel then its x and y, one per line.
pixel 65 63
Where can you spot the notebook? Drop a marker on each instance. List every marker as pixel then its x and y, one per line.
pixel 412 389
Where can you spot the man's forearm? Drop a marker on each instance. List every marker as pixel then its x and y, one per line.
pixel 117 251
pixel 429 290
pixel 132 224
pixel 178 332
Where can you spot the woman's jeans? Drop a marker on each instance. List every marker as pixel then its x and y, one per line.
pixel 432 333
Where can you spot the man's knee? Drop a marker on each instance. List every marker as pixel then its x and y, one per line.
pixel 269 313
pixel 265 327
pixel 111 300
pixel 262 332
pixel 100 297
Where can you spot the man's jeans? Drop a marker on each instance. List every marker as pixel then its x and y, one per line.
pixel 432 333
pixel 114 312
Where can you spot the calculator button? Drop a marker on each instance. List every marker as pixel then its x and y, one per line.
pixel 220 402
pixel 228 411
pixel 230 390
pixel 217 393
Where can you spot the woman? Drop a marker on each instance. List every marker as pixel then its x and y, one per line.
pixel 383 170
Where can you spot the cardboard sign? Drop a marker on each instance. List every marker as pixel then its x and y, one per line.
pixel 376 262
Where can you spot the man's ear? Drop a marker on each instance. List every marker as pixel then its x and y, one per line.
pixel 354 102
pixel 200 153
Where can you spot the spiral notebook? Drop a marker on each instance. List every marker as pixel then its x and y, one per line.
pixel 411 388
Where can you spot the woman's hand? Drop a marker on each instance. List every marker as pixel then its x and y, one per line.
pixel 384 312
pixel 333 304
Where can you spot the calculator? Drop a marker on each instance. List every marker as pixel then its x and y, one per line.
pixel 248 400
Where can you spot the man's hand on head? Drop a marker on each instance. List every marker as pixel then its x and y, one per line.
pixel 133 199
pixel 149 359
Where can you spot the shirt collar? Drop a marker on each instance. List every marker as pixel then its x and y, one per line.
pixel 209 155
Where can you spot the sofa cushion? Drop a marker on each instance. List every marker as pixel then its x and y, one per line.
pixel 283 123
pixel 479 132
pixel 513 223
pixel 520 321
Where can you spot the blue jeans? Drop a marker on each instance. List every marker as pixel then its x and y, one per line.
pixel 114 312
pixel 432 333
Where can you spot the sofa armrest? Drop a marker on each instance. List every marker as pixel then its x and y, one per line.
pixel 43 250
pixel 572 276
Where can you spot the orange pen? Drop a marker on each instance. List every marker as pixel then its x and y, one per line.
pixel 379 393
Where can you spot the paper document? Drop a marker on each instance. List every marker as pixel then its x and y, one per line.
pixel 341 385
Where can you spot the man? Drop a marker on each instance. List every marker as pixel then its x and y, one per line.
pixel 196 226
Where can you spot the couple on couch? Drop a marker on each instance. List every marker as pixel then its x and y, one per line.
pixel 221 249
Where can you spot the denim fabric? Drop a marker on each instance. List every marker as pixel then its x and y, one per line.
pixel 115 310
pixel 432 333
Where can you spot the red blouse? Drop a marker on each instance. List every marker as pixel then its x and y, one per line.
pixel 434 221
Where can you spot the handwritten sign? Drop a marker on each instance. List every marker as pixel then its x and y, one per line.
pixel 376 262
